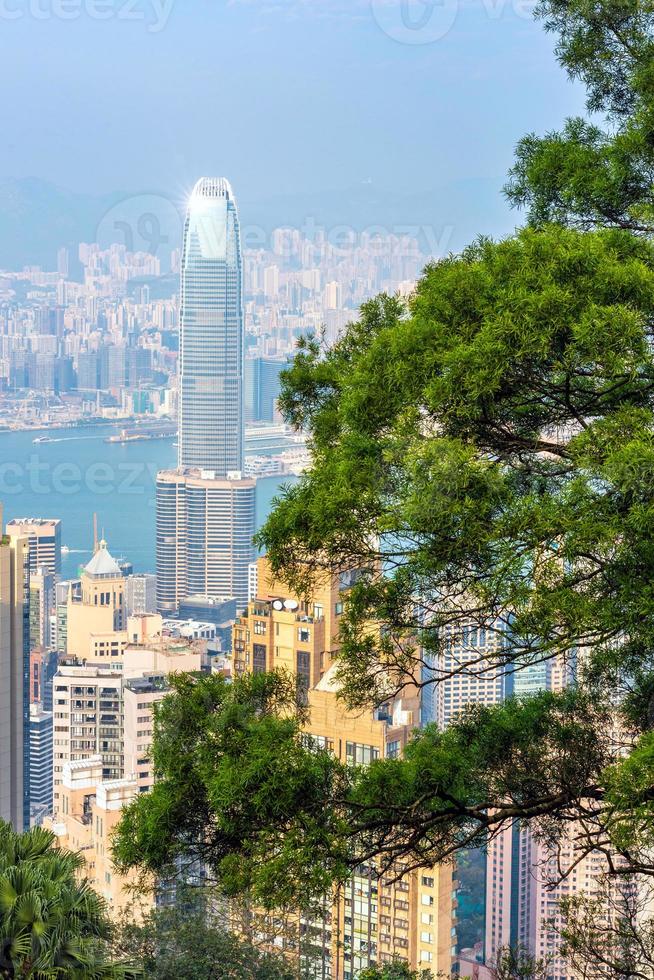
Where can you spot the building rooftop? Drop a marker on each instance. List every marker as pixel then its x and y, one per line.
pixel 34 521
pixel 102 563
pixel 212 187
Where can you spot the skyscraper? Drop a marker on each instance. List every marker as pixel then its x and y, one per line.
pixel 14 679
pixel 44 537
pixel 205 508
pixel 211 332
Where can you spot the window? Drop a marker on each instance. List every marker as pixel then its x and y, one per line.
pixel 427 882
pixel 314 742
pixel 358 754
pixel 338 608
pixel 258 658
pixel 393 749
pixel 304 634
pixel 259 627
pixel 304 669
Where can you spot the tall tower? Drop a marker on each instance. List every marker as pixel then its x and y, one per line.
pixel 14 680
pixel 205 508
pixel 211 332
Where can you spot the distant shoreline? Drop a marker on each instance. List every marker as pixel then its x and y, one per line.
pixel 81 424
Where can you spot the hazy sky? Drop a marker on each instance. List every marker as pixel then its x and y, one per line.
pixel 280 95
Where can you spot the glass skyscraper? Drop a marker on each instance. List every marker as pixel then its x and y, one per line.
pixel 205 508
pixel 211 332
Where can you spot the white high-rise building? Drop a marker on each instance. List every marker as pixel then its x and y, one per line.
pixel 205 508
pixel 140 594
pixel 211 332
pixel 204 536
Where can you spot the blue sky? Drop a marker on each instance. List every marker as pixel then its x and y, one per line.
pixel 282 96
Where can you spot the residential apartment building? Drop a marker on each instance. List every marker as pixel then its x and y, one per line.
pixel 44 541
pixel 90 807
pixel 374 918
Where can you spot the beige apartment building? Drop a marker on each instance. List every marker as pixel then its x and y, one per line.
pixel 373 919
pixel 95 778
pixel 90 808
pixel 95 710
pixel 88 721
pixel 14 677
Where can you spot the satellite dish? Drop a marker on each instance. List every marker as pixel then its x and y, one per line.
pixel 277 604
pixel 291 604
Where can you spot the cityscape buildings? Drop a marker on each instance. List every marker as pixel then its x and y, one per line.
pixel 121 342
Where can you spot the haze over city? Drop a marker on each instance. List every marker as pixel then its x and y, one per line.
pixel 330 110
pixel 326 489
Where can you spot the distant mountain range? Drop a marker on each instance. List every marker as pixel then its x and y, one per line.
pixel 37 217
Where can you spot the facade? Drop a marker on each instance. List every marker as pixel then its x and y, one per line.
pixel 461 677
pixel 92 708
pixel 103 736
pixel 44 537
pixel 263 387
pixel 14 679
pixel 141 594
pixel 42 605
pixel 62 591
pixel 41 762
pixel 526 878
pixel 87 721
pixel 204 536
pixel 43 667
pixel 211 332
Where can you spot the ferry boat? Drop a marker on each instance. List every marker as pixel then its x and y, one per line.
pixel 125 436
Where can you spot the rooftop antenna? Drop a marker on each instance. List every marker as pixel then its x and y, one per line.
pixel 95 533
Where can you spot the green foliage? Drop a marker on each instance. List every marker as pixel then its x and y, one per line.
pixel 395 971
pixel 591 175
pixel 495 442
pixel 517 963
pixel 52 925
pixel 237 789
pixel 187 942
pixel 609 934
pixel 283 823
